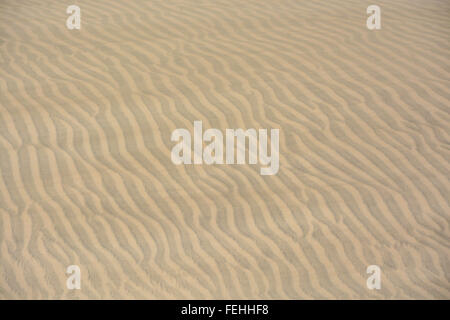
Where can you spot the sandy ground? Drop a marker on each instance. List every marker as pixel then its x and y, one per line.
pixel 86 176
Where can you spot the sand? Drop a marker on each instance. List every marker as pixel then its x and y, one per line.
pixel 86 176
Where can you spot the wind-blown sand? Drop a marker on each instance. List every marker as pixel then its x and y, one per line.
pixel 86 176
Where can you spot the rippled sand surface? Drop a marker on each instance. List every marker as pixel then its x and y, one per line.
pixel 86 176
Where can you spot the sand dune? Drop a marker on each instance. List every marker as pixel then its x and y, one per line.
pixel 86 176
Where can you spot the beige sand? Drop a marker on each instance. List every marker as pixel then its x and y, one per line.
pixel 85 171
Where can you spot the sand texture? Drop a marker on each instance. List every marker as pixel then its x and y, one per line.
pixel 86 176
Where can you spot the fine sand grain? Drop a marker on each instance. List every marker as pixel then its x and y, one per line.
pixel 86 176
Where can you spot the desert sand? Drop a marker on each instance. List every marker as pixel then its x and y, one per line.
pixel 86 176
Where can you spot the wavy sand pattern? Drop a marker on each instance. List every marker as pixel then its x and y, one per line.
pixel 86 176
